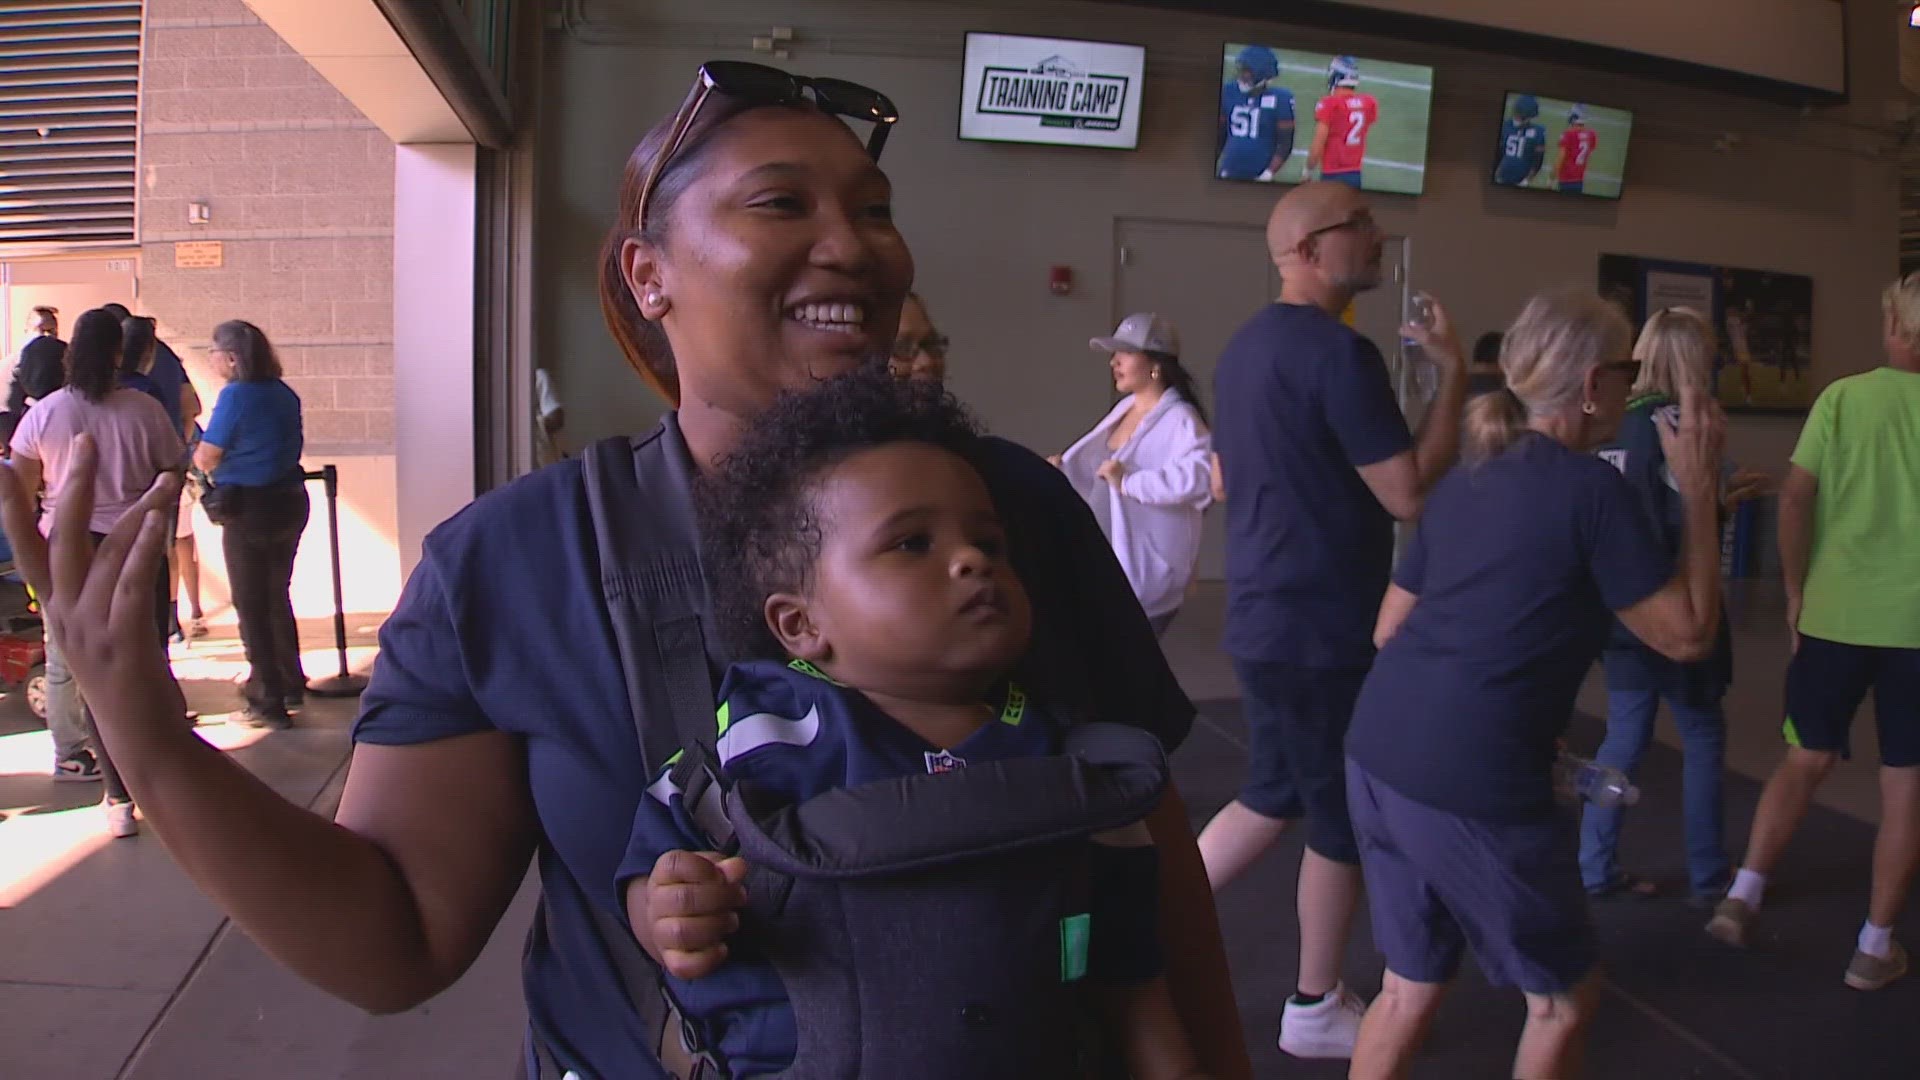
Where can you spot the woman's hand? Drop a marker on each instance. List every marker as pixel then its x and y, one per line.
pixel 1054 460
pixel 686 910
pixel 98 604
pixel 1439 340
pixel 1111 471
pixel 1693 445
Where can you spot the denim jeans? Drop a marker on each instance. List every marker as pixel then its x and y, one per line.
pixel 1703 743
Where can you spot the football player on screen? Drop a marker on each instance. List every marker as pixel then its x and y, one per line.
pixel 1576 149
pixel 1523 144
pixel 1342 120
pixel 1256 119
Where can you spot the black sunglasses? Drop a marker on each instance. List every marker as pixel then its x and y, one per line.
pixel 934 345
pixel 762 85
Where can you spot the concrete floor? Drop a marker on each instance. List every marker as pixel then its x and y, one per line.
pixel 113 966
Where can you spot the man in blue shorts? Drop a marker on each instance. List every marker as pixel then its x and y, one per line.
pixel 1322 463
pixel 1849 518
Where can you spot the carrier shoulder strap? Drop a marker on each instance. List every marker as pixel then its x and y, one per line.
pixel 640 495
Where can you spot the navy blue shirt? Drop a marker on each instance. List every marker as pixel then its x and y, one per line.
pixel 1523 147
pixel 478 644
pixel 257 425
pixel 1302 402
pixel 168 376
pixel 1630 664
pixel 1517 563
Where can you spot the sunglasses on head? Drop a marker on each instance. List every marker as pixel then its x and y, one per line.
pixel 934 345
pixel 760 85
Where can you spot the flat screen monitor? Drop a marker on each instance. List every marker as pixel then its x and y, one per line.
pixel 1572 147
pixel 1287 116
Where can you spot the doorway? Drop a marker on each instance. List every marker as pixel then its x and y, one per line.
pixel 72 285
pixel 1209 279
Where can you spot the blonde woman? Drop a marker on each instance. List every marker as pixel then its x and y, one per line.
pixel 1497 609
pixel 1675 353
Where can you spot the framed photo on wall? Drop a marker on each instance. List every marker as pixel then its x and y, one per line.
pixel 1765 322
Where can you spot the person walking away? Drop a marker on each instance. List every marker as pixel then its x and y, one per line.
pixel 499 725
pixel 1319 463
pixel 1498 608
pixel 1145 469
pixel 919 350
pixel 251 452
pixel 41 368
pixel 1675 353
pixel 128 442
pixel 1849 516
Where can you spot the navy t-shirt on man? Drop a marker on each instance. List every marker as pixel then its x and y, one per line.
pixel 1518 563
pixel 476 644
pixel 1302 402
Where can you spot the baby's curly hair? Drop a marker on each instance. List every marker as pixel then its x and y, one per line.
pixel 759 531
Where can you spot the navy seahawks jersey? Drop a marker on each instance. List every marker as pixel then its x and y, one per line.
pixel 1254 134
pixel 1523 149
pixel 791 729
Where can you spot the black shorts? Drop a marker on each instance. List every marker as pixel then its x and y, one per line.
pixel 1826 684
pixel 1297 721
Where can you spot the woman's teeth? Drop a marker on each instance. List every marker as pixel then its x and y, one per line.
pixel 842 318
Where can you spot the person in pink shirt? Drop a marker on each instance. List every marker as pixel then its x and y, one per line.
pixel 135 442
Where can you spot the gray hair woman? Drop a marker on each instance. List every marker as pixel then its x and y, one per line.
pixel 1497 609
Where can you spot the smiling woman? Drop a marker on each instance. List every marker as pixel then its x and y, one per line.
pixel 753 254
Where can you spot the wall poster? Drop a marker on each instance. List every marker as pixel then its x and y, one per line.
pixel 1765 320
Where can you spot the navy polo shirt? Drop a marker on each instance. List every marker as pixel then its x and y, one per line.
pixel 257 425
pixel 477 643
pixel 1302 401
pixel 169 377
pixel 1518 563
pixel 1630 664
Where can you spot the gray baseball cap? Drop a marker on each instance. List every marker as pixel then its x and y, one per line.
pixel 1142 332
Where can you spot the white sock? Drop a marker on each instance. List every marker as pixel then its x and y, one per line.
pixel 1876 940
pixel 1748 886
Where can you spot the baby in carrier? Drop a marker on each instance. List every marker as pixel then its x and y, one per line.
pixel 890 861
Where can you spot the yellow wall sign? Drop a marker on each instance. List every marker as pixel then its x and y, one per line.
pixel 199 255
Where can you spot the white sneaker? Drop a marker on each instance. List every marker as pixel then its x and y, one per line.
pixel 120 820
pixel 1326 1030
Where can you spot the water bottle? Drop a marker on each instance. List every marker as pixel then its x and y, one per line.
pixel 1601 785
pixel 1422 377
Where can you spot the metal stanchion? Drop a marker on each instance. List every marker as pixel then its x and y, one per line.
pixel 346 683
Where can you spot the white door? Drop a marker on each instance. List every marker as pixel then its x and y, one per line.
pixel 1209 279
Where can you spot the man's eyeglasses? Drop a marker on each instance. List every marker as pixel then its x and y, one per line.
pixel 1361 223
pixel 934 345
pixel 762 85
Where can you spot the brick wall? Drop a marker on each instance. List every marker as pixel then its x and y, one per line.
pixel 301 190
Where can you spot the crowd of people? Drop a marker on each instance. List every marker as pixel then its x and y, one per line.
pixel 904 623
pixel 118 398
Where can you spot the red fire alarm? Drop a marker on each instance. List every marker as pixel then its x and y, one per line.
pixel 1060 280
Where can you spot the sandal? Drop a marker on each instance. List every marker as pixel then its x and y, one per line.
pixel 1626 887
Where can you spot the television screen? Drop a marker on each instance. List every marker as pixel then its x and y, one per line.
pixel 1566 146
pixel 1053 91
pixel 1288 116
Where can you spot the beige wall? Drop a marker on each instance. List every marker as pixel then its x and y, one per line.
pixel 300 186
pixel 1794 41
pixel 1799 194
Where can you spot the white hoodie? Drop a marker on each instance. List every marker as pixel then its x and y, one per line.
pixel 1153 519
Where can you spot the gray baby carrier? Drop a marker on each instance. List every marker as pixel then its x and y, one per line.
pixel 932 926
